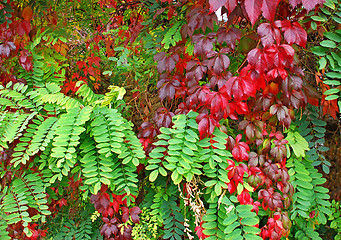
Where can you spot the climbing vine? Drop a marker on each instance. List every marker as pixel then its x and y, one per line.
pixel 187 119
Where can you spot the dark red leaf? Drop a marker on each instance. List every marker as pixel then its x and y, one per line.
pixel 125 214
pixel 197 97
pixel 253 9
pixel 166 63
pixel 5 48
pixel 219 80
pixel 100 201
pixel 163 118
pixel 125 233
pixel 230 36
pixel 167 86
pixel 219 62
pixel 134 213
pixel 231 5
pixel 25 60
pixel 282 112
pixel 269 9
pixel 23 27
pixel 310 4
pixel 271 199
pixel 203 43
pixel 109 229
pixel 200 18
pixel 268 33
pixel 216 4
pixel 196 69
pixel 147 130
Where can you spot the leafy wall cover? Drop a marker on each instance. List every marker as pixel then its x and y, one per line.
pixel 156 120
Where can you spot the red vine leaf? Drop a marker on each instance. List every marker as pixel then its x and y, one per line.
pixel 23 27
pixel 109 227
pixel 230 36
pixel 268 34
pixel 240 88
pixel 293 32
pixel 134 213
pixel 253 9
pixel 216 4
pixel 240 150
pixel 269 9
pixel 203 43
pixel 219 62
pixel 167 86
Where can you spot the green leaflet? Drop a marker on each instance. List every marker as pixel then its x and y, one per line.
pixel 226 221
pixel 173 35
pixel 186 156
pixel 297 142
pixel 68 126
pixel 26 191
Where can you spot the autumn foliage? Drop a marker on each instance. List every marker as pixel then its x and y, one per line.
pixel 216 91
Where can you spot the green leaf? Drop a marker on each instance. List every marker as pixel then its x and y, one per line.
pixel 328 44
pixel 319 51
pixel 153 175
pixel 322 63
pixel 333 75
pixel 249 221
pixel 231 218
pixel 318 19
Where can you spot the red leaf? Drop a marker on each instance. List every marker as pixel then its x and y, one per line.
pixel 219 61
pixel 125 214
pixel 294 3
pixel 163 118
pixel 258 60
pixel 268 34
pixel 199 232
pixel 253 9
pixel 269 9
pixel 217 101
pixel 203 43
pixel 230 36
pixel 240 88
pixel 206 125
pixel 231 5
pixel 167 86
pixel 310 4
pixel 81 64
pixel 134 213
pixel 94 60
pixel 240 150
pixel 293 32
pixel 216 4
pixel 23 27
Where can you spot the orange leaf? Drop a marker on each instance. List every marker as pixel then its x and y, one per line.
pixel 27 14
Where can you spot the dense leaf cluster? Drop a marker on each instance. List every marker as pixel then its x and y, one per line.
pixel 227 147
